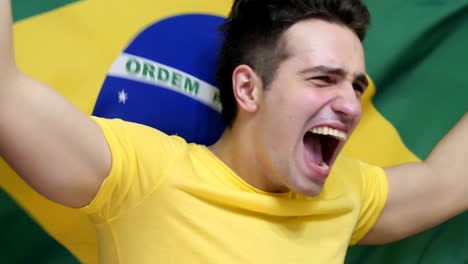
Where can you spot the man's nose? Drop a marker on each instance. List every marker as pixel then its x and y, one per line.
pixel 347 103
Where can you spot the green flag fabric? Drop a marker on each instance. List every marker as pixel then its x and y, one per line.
pixel 416 56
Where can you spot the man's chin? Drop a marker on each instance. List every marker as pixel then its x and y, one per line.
pixel 310 189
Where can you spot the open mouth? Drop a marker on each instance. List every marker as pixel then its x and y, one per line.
pixel 321 144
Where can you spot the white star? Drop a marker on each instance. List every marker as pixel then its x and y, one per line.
pixel 122 96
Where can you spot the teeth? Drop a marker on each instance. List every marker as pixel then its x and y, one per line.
pixel 324 166
pixel 330 131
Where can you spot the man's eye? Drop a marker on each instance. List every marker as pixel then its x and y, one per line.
pixel 358 88
pixel 323 79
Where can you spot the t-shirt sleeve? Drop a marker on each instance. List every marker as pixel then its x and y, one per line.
pixel 140 157
pixel 373 196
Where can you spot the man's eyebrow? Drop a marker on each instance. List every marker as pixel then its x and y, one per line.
pixel 361 77
pixel 324 69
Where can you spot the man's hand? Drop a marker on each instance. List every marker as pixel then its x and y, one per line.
pixel 57 149
pixel 425 194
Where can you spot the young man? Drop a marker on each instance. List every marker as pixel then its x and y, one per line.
pixel 291 75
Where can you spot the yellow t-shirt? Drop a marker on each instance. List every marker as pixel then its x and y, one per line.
pixel 166 201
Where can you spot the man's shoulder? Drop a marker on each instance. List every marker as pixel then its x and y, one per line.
pixel 355 173
pixel 128 130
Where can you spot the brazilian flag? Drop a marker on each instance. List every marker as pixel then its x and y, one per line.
pixel 116 58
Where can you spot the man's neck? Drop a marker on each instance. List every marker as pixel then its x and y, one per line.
pixel 238 151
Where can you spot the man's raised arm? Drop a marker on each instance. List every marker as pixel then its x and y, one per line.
pixel 422 195
pixel 57 149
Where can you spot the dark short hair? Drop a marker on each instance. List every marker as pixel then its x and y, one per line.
pixel 253 30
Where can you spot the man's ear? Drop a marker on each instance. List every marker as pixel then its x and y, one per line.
pixel 247 88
